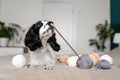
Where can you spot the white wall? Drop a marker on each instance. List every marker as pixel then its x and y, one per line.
pixel 86 14
pixel 0 9
pixel 89 13
pixel 22 12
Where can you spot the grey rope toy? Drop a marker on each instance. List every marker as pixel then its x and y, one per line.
pixel 67 42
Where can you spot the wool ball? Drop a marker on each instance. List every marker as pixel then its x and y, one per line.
pixel 84 62
pixel 94 57
pixel 72 61
pixel 106 57
pixel 104 64
pixel 18 60
pixel 63 58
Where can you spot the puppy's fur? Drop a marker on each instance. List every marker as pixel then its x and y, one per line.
pixel 41 40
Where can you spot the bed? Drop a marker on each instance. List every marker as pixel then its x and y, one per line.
pixel 60 71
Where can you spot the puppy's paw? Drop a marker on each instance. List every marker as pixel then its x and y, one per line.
pixel 27 66
pixel 30 66
pixel 48 67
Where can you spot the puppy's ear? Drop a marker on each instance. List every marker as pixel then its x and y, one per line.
pixel 32 39
pixel 53 43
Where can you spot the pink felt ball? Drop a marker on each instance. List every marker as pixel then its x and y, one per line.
pixel 63 58
pixel 95 58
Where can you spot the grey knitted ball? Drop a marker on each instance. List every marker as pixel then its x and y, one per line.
pixel 104 64
pixel 84 62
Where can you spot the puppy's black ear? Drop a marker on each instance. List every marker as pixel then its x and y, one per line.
pixel 53 43
pixel 32 39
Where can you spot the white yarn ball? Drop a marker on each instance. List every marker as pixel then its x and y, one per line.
pixel 18 60
pixel 71 61
pixel 107 58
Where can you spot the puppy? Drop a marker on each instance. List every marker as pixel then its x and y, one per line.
pixel 41 40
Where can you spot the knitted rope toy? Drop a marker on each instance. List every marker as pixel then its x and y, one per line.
pixel 88 61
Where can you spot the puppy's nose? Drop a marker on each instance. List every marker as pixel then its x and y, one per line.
pixel 51 27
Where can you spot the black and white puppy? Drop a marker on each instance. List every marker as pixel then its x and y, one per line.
pixel 41 40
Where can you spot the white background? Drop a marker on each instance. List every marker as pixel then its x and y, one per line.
pixel 86 14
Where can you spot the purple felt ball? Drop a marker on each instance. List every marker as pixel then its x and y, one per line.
pixel 84 62
pixel 104 64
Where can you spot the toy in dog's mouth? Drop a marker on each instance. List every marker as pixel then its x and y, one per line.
pixel 50 28
pixel 48 32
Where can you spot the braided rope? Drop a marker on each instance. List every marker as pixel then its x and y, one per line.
pixel 67 42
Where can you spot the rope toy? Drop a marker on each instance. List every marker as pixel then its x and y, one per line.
pixel 88 61
pixel 67 43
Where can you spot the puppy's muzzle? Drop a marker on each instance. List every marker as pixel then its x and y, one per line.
pixel 51 28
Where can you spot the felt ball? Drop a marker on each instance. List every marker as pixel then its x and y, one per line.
pixel 84 62
pixel 104 64
pixel 72 61
pixel 18 60
pixel 63 58
pixel 106 57
pixel 95 58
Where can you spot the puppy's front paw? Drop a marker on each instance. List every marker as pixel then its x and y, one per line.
pixel 27 66
pixel 30 66
pixel 48 67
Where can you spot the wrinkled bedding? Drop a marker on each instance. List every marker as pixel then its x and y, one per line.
pixel 60 72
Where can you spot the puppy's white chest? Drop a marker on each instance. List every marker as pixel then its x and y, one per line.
pixel 42 57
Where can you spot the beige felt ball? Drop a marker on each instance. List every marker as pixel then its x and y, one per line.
pixel 18 60
pixel 63 58
pixel 95 58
